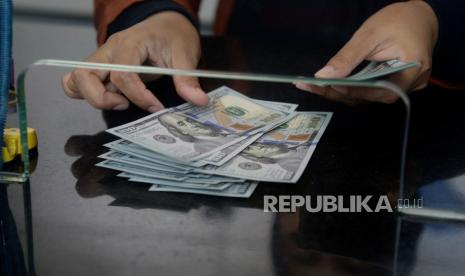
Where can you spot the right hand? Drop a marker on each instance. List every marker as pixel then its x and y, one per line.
pixel 166 39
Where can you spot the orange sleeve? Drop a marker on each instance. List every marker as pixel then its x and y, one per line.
pixel 106 11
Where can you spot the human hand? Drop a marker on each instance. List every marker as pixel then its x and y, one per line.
pixel 405 31
pixel 166 39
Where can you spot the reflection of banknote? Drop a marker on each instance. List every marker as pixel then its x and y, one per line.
pixel 190 133
pixel 280 155
pixel 235 190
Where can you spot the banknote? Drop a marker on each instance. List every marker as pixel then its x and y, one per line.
pixel 136 160
pixel 285 107
pixel 280 155
pixel 157 173
pixel 233 112
pixel 145 156
pixel 224 155
pixel 115 165
pixel 380 69
pixel 182 184
pixel 215 179
pixel 175 135
pixel 188 133
pixel 131 148
pixel 243 190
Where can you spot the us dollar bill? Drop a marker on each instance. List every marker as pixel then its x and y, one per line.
pixel 280 155
pixel 235 113
pixel 379 69
pixel 133 149
pixel 137 161
pixel 188 133
pixel 243 190
pixel 182 184
pixel 224 155
pixel 150 171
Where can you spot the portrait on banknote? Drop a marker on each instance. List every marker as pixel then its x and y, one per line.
pixel 288 158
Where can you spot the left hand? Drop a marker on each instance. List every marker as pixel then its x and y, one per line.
pixel 405 31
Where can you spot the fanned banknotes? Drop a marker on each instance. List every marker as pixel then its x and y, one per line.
pixel 189 133
pixel 226 147
pixel 222 149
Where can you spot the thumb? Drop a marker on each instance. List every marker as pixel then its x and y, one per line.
pixel 351 55
pixel 188 87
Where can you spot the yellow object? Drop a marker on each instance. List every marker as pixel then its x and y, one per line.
pixel 12 142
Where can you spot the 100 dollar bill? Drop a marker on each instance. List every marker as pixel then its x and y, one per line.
pixel 243 190
pixel 280 155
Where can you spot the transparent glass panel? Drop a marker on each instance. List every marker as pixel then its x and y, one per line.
pixel 80 212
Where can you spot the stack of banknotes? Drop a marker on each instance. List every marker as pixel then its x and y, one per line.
pixel 222 149
pixel 227 147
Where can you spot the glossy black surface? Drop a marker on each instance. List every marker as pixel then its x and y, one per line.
pixel 87 221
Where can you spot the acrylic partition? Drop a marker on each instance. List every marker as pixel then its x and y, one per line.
pixel 363 151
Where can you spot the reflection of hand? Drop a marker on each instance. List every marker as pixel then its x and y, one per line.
pixel 406 31
pixel 166 39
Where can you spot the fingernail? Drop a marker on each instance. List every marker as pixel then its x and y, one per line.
pixel 326 72
pixel 154 109
pixel 121 107
pixel 341 89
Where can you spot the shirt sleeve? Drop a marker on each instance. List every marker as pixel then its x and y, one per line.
pixel 111 16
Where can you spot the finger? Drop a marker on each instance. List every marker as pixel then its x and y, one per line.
pixel 98 56
pixel 188 87
pixel 88 84
pixel 68 91
pixel 130 83
pixel 93 90
pixel 111 87
pixel 352 54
